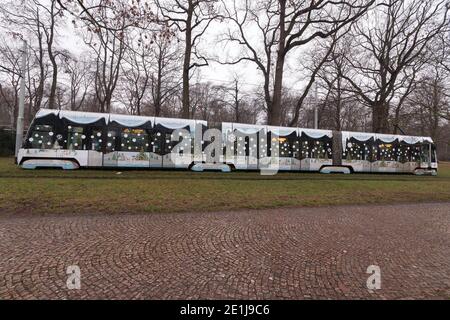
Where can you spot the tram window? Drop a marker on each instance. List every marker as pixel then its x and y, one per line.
pixel 96 140
pixel 387 152
pixel 396 153
pixel 263 142
pixel 328 149
pixel 296 149
pixel 156 142
pixel 366 151
pixel 288 146
pixel 111 141
pixel 241 145
pixel 433 154
pixel 415 154
pixel 304 149
pixel 356 150
pixel 425 153
pixel 285 147
pixel 404 153
pixel 188 142
pixel 42 137
pixel 76 138
pixel 319 150
pixel 252 145
pixel 134 140
pixel 273 146
pixel 170 141
pixel 246 145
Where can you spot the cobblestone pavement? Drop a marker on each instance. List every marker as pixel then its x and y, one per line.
pixel 306 253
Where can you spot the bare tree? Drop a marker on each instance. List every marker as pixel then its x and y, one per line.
pixel 216 103
pixel 9 87
pixel 232 96
pixel 107 23
pixel 39 19
pixel 52 12
pixel 430 101
pixel 37 74
pixel 338 96
pixel 165 79
pixel 392 46
pixel 30 19
pixel 192 18
pixel 285 26
pixel 109 48
pixel 80 78
pixel 136 72
pixel 237 98
pixel 321 54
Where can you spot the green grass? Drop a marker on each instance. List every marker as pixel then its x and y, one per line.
pixel 136 191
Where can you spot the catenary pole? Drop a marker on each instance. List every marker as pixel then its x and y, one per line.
pixel 19 125
pixel 316 108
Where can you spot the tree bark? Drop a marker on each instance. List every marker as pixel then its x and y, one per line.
pixel 274 115
pixel 236 101
pixel 51 55
pixel 338 105
pixel 380 113
pixel 187 66
pixel 158 96
pixel 52 96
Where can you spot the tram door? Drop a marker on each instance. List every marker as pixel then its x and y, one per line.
pixel 157 148
pixel 95 146
pixel 110 155
pixel 426 156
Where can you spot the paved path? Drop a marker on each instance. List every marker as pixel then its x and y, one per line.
pixel 266 254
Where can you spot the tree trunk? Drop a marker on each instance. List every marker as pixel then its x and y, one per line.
pixel 380 113
pixel 397 119
pixel 267 95
pixel 274 116
pixel 186 67
pixel 236 101
pixel 107 106
pixel 158 90
pixel 40 88
pixel 52 96
pixel 435 112
pixel 338 125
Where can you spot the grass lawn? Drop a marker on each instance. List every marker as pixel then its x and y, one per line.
pixel 105 191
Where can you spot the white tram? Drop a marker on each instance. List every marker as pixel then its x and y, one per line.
pixel 72 140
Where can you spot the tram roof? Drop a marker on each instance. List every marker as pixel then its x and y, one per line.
pixel 82 117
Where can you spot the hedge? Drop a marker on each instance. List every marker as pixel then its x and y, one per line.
pixel 7 142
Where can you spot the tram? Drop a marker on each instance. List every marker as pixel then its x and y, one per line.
pixel 73 140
